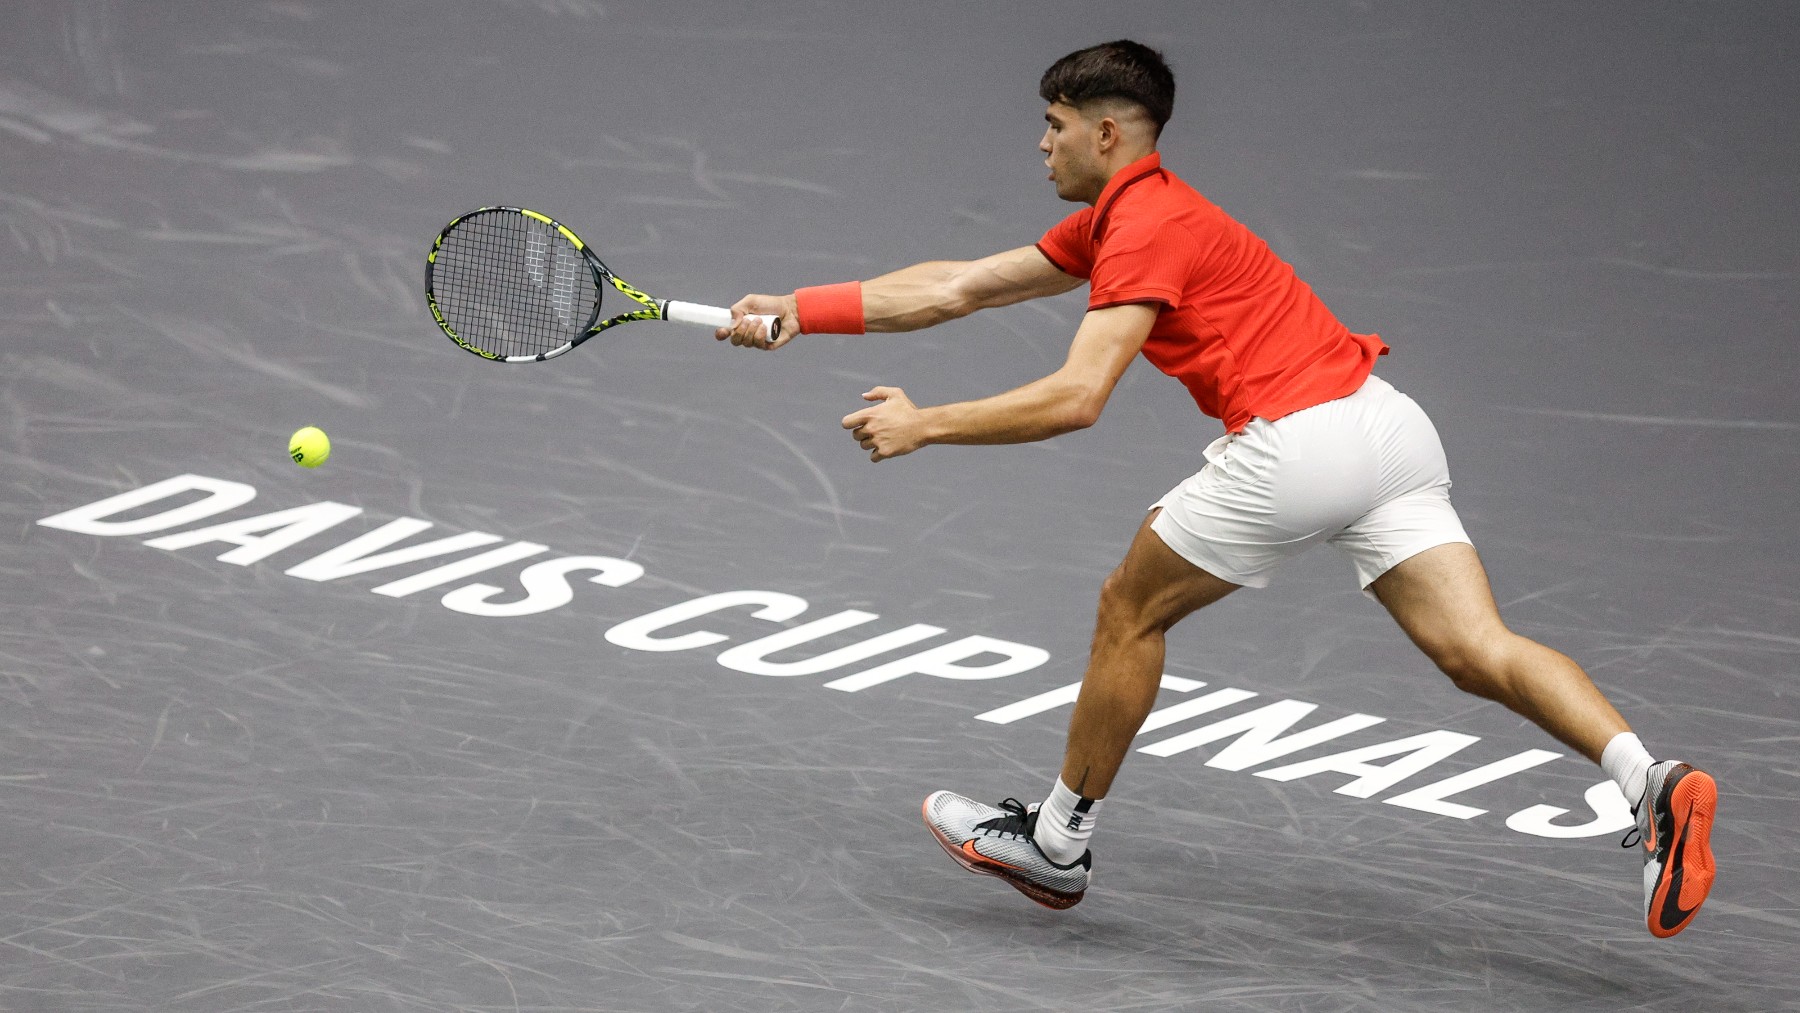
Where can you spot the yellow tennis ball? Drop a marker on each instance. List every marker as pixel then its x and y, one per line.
pixel 309 447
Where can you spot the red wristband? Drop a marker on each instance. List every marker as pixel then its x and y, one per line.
pixel 830 309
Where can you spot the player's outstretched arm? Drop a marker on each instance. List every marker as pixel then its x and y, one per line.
pixel 908 299
pixel 928 294
pixel 1069 399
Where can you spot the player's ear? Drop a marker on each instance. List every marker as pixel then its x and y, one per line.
pixel 1106 133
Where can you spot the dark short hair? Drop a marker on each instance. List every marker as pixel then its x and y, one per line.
pixel 1119 70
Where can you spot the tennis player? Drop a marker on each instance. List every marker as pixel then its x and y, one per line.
pixel 1316 449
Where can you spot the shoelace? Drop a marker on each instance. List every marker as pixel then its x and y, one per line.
pixel 1634 836
pixel 1016 821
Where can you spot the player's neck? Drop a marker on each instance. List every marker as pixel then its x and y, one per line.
pixel 1116 162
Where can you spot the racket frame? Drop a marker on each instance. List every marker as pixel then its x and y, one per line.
pixel 652 308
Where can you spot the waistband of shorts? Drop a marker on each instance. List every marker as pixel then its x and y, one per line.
pixel 1372 387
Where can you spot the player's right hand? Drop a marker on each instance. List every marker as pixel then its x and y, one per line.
pixel 749 332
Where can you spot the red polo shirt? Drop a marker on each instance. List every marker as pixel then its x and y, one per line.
pixel 1246 336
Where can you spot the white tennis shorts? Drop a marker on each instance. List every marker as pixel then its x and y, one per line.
pixel 1365 473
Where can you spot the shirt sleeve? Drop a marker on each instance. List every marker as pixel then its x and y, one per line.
pixel 1148 262
pixel 1069 246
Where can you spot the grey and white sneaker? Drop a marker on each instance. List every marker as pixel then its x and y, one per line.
pixel 1674 826
pixel 996 841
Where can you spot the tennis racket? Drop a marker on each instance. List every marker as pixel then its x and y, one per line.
pixel 513 285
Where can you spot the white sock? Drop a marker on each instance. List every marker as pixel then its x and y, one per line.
pixel 1064 824
pixel 1626 761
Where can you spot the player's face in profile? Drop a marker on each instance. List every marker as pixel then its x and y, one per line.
pixel 1069 149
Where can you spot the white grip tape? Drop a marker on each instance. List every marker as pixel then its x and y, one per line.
pixel 710 316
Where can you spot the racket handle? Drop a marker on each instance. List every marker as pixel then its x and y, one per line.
pixel 714 316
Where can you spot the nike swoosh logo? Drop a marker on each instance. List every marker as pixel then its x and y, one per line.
pixel 968 848
pixel 1672 913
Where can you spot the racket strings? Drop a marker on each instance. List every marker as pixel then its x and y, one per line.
pixel 513 286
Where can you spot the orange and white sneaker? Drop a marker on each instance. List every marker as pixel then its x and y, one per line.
pixel 1674 821
pixel 996 841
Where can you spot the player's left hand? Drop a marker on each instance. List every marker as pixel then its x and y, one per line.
pixel 891 428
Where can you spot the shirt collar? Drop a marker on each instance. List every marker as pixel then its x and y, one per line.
pixel 1143 168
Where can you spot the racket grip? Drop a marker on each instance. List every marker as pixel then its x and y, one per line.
pixel 714 316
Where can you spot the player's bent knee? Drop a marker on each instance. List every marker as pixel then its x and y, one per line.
pixel 1118 607
pixel 1476 665
pixel 1469 675
pixel 1123 611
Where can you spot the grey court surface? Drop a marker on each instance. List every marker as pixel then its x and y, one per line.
pixel 249 783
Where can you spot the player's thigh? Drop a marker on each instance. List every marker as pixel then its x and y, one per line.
pixel 1154 587
pixel 1442 600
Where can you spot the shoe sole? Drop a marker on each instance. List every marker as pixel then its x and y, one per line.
pixel 1687 876
pixel 1055 899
